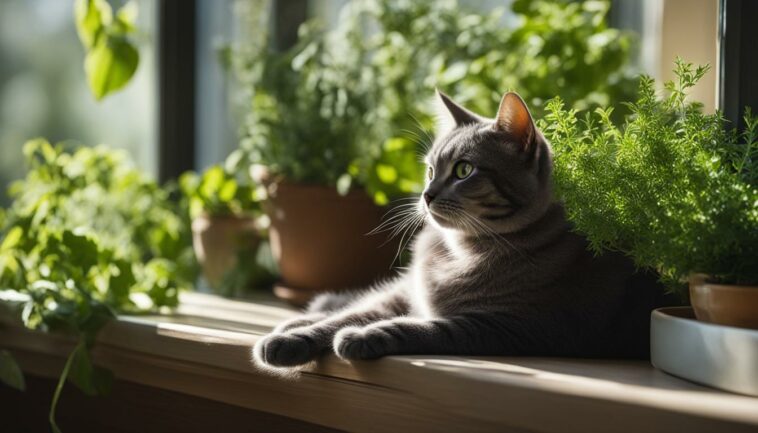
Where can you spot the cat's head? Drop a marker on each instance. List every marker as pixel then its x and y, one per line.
pixel 485 175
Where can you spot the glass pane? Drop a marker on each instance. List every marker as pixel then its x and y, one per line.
pixel 43 88
pixel 216 127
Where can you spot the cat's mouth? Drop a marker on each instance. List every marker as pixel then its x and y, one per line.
pixel 445 213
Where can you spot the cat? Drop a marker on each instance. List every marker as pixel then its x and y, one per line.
pixel 496 268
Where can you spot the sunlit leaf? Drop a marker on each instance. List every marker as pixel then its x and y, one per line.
pixel 386 173
pixel 212 181
pixel 91 17
pixel 110 65
pixel 126 17
pixel 12 238
pixel 227 190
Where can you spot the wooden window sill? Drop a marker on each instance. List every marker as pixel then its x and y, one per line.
pixel 204 351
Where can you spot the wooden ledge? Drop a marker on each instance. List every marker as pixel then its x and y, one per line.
pixel 204 350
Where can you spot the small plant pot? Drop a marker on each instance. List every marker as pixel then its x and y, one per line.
pixel 320 240
pixel 218 240
pixel 724 304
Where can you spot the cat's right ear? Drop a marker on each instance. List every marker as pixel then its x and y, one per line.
pixel 451 115
pixel 513 117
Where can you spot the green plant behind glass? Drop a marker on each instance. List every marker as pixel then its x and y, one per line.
pixel 112 58
pixel 218 192
pixel 87 237
pixel 672 187
pixel 351 106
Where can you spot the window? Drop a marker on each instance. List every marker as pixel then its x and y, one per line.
pixel 43 89
pixel 185 111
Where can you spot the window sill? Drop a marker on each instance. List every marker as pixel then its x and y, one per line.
pixel 204 350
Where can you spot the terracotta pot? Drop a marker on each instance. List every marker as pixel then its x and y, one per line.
pixel 724 304
pixel 320 240
pixel 217 240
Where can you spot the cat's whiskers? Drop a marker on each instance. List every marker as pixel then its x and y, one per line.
pixel 410 230
pixel 401 211
pixel 405 222
pixel 421 128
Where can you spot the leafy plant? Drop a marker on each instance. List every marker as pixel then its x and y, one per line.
pixel 352 107
pixel 86 237
pixel 672 187
pixel 311 109
pixel 112 57
pixel 218 192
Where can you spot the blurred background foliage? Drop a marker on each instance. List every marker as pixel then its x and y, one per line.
pixel 351 105
pixel 44 90
pixel 88 231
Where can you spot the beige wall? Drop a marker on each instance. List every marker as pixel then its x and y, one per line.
pixel 689 29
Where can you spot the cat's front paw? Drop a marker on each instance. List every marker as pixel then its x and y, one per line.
pixel 285 350
pixel 362 343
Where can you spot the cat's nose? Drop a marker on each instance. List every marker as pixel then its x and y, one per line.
pixel 428 197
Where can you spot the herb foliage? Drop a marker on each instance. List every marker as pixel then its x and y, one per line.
pixel 673 187
pixel 87 237
pixel 351 106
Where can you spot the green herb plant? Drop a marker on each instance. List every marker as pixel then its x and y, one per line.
pixel 111 55
pixel 219 192
pixel 87 237
pixel 672 187
pixel 351 108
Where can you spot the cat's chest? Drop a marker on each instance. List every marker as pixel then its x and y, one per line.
pixel 444 278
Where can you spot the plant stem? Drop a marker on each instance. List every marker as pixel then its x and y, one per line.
pixel 59 386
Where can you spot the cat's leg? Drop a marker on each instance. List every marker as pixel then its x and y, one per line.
pixel 320 308
pixel 333 301
pixel 481 334
pixel 303 344
pixel 299 322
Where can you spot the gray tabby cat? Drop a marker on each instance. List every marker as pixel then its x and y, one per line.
pixel 496 270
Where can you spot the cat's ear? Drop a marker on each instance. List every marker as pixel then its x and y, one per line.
pixel 513 117
pixel 450 114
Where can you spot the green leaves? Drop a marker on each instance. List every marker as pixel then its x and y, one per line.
pixel 110 65
pixel 91 17
pixel 80 370
pixel 87 237
pixel 12 238
pixel 10 372
pixel 91 379
pixel 220 192
pixel 672 187
pixel 83 251
pixel 324 111
pixel 111 59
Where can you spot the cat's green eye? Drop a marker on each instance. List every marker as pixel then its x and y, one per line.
pixel 463 169
pixel 430 173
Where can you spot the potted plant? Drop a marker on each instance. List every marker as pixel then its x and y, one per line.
pixel 87 237
pixel 673 188
pixel 226 227
pixel 343 115
pixel 307 127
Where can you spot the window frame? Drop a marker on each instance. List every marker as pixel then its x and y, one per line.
pixel 738 65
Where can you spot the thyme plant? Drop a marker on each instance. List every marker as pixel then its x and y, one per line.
pixel 672 187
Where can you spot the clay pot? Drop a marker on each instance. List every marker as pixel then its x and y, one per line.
pixel 724 304
pixel 217 240
pixel 320 240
